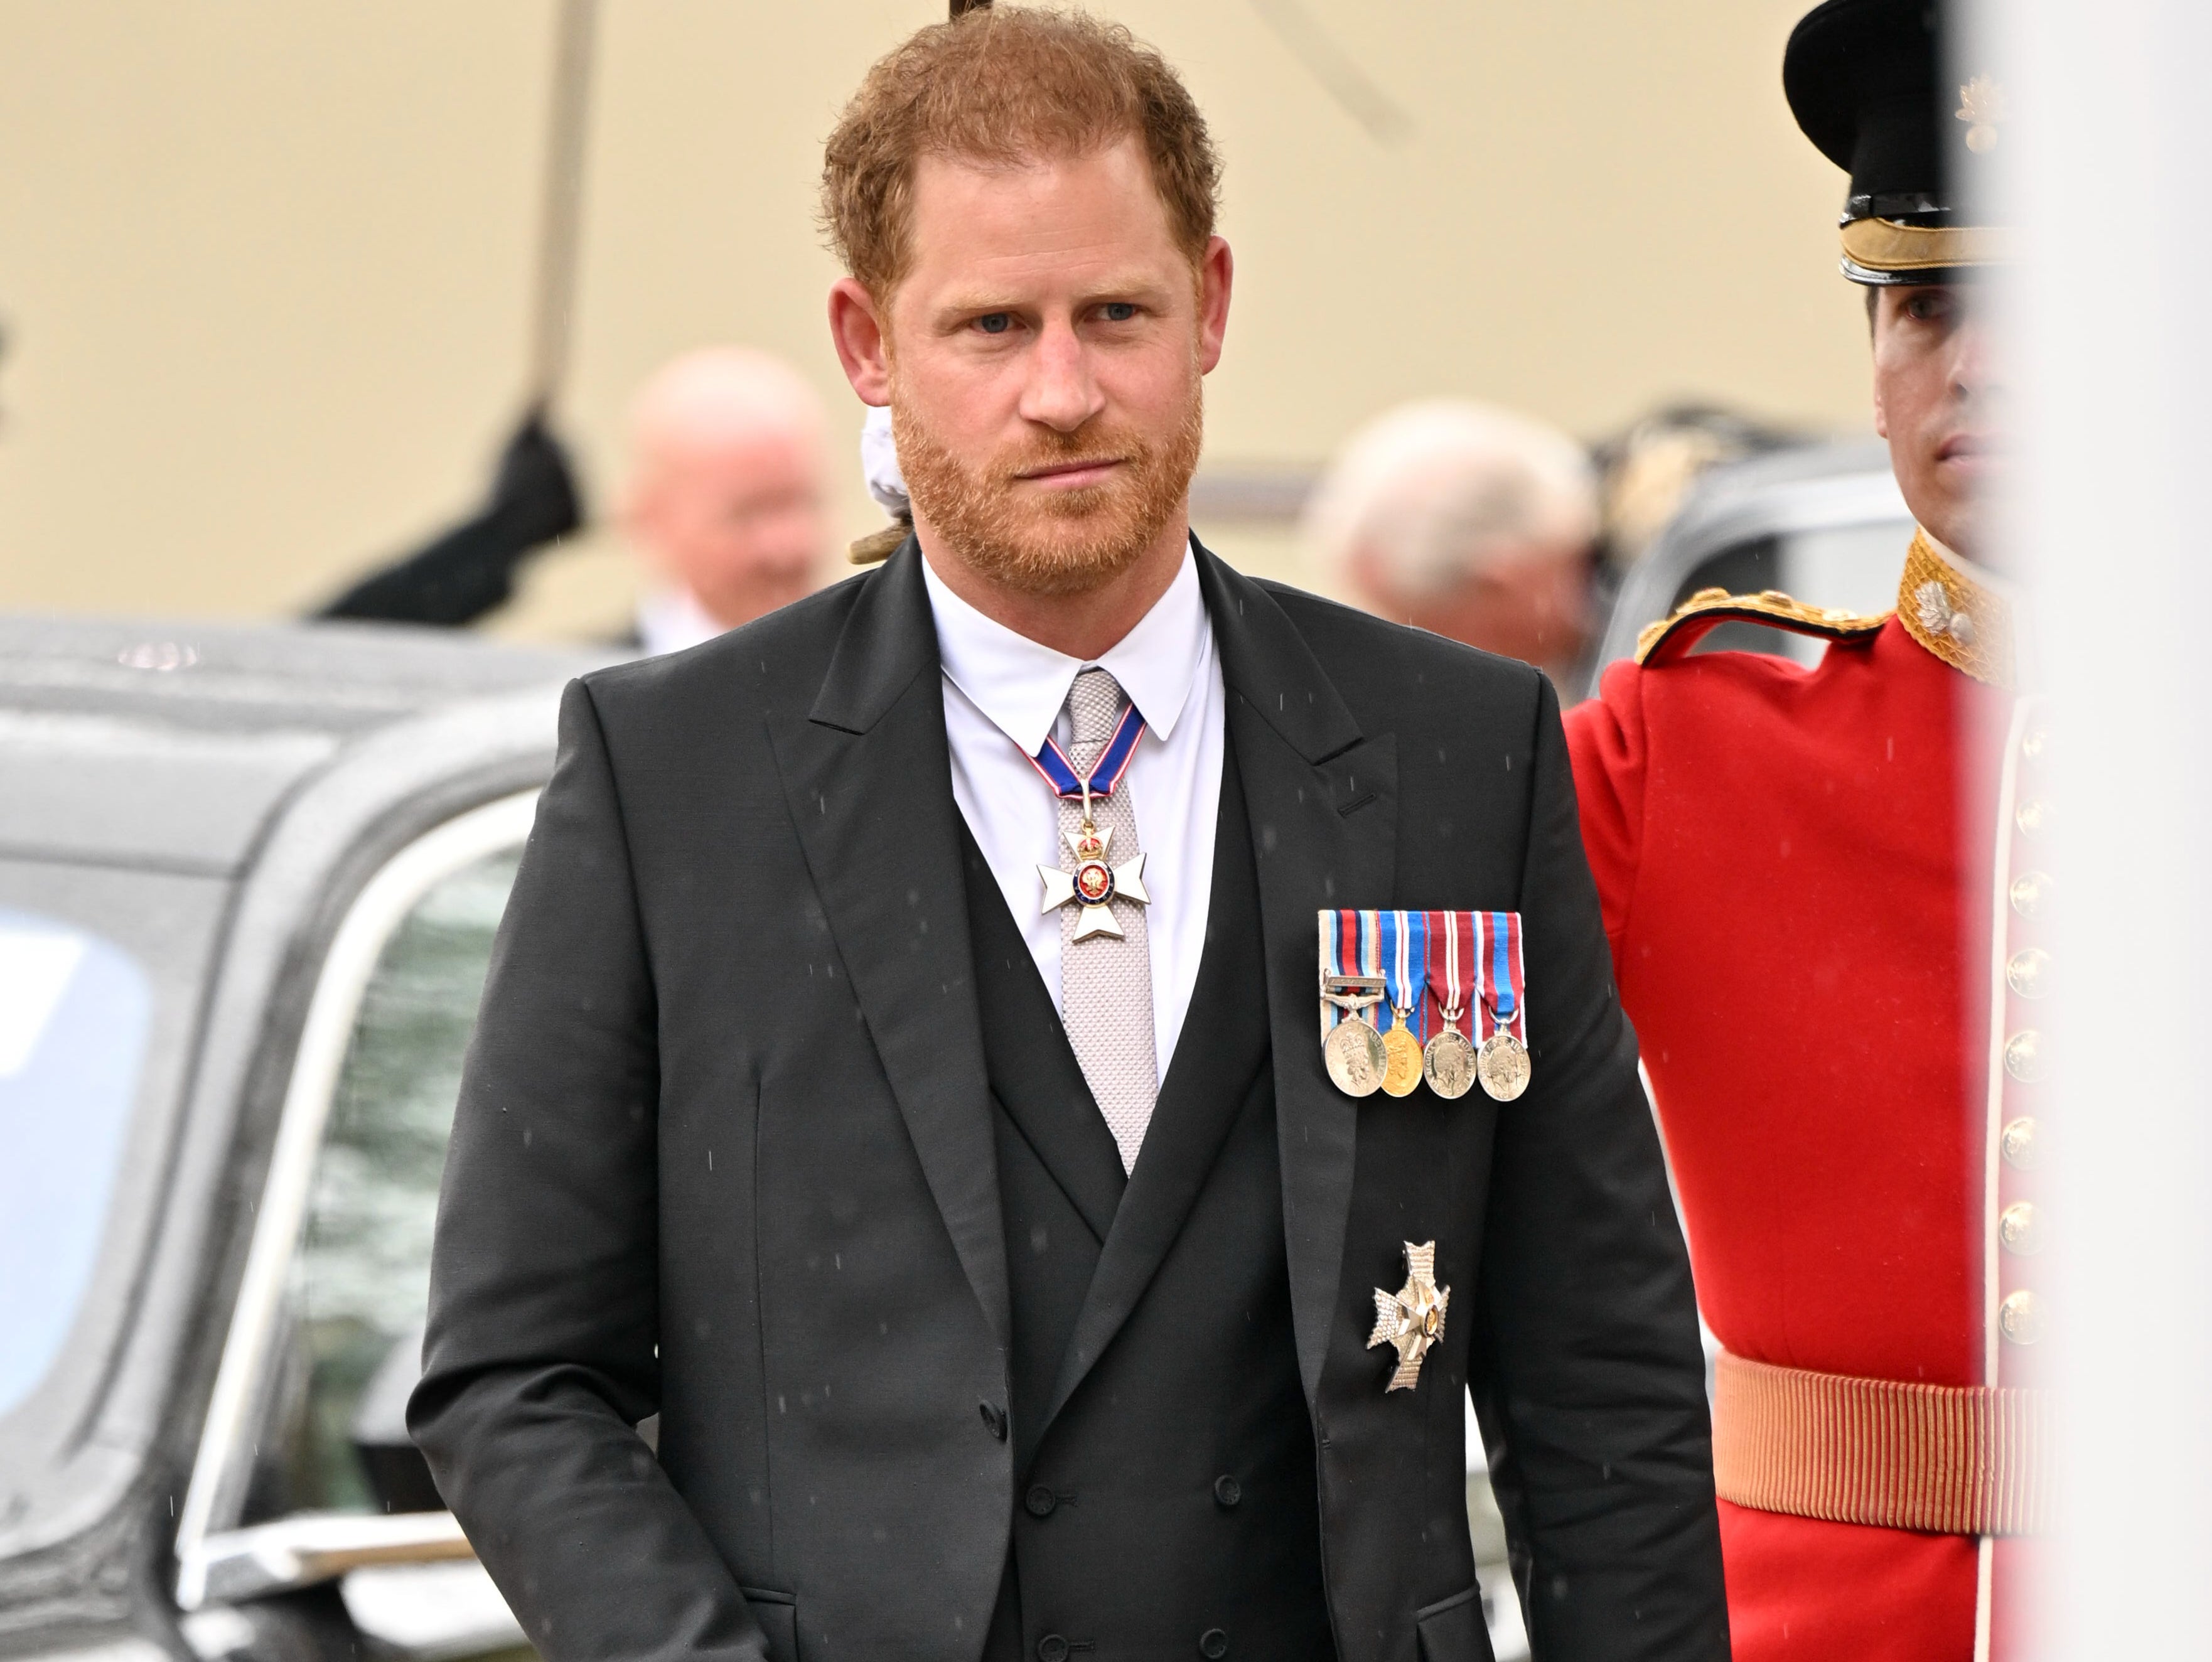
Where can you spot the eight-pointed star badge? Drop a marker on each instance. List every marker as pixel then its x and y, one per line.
pixel 1412 1318
pixel 1094 885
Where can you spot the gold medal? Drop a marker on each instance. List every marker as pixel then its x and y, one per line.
pixel 1503 1065
pixel 1356 1058
pixel 1448 1063
pixel 1404 1054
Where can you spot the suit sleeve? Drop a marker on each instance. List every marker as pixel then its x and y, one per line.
pixel 540 1356
pixel 1587 1370
pixel 1606 743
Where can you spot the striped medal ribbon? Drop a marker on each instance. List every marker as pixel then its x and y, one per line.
pixel 1448 1061
pixel 1351 982
pixel 1405 973
pixel 1502 1062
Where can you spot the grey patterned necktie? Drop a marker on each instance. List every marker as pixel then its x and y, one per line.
pixel 1105 983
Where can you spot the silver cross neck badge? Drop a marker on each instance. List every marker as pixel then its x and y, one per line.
pixel 1094 884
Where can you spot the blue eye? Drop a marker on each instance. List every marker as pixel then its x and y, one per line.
pixel 1119 311
pixel 994 323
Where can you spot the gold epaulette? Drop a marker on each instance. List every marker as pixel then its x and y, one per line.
pixel 1709 607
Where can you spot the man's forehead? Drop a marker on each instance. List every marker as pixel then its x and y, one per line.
pixel 1074 207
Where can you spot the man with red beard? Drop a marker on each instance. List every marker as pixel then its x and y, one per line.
pixel 902 1067
pixel 1824 896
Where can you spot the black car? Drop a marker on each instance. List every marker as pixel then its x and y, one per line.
pixel 248 882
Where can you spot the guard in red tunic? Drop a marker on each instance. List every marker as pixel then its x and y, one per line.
pixel 1824 897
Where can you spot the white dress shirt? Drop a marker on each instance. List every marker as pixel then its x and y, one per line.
pixel 1003 696
pixel 669 620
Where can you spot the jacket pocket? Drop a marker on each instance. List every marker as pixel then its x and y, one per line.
pixel 778 1616
pixel 1452 1629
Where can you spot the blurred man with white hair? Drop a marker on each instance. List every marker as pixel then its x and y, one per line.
pixel 1469 521
pixel 726 500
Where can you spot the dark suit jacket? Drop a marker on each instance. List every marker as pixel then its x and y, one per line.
pixel 725 1152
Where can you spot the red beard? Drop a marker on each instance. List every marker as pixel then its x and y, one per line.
pixel 1062 542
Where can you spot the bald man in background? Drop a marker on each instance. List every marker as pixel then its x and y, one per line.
pixel 1469 521
pixel 726 508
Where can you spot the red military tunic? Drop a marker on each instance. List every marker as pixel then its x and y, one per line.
pixel 1798 869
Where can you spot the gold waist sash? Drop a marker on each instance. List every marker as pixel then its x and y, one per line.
pixel 1951 1459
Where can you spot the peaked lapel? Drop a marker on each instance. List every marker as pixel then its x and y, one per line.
pixel 867 776
pixel 1324 801
pixel 1209 1079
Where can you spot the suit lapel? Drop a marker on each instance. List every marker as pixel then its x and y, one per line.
pixel 867 777
pixel 1324 801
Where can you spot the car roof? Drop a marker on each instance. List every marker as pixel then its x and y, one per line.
pixel 168 743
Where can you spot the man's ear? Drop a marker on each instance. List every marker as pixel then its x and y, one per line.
pixel 857 329
pixel 1873 350
pixel 1216 272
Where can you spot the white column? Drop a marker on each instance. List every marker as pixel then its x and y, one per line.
pixel 2110 152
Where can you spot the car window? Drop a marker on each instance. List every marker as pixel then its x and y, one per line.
pixel 74 1015
pixel 1852 567
pixel 349 1339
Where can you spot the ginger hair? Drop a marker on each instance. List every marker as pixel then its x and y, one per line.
pixel 1004 86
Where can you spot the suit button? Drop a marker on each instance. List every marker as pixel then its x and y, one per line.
pixel 1041 1501
pixel 2026 971
pixel 2020 1229
pixel 1213 1645
pixel 2018 1143
pixel 994 1419
pixel 1228 1490
pixel 2023 1055
pixel 1052 1648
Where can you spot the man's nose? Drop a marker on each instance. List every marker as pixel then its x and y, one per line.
pixel 1972 370
pixel 1061 393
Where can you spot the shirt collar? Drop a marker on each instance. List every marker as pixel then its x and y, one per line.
pixel 1020 685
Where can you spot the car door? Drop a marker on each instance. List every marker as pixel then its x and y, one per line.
pixel 310 1524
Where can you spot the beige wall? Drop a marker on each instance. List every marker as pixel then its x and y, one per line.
pixel 265 264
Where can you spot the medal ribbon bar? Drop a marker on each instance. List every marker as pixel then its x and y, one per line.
pixel 1351 964
pixel 1451 968
pixel 1405 937
pixel 1497 954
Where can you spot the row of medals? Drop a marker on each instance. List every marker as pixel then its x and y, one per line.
pixel 1362 1061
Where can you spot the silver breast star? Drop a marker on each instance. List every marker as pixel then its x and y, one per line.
pixel 1412 1318
pixel 1094 885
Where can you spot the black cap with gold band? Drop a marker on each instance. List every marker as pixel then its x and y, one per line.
pixel 1865 80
